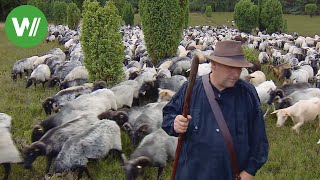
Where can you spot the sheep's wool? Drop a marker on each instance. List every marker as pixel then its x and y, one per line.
pixel 8 151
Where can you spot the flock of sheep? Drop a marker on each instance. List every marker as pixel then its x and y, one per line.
pixel 85 120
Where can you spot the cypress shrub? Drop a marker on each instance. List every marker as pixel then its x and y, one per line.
pixel 73 15
pixel 102 42
pixel 271 16
pixel 246 15
pixel 59 12
pixel 208 11
pixel 128 14
pixel 310 9
pixel 162 24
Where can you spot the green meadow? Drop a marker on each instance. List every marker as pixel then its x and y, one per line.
pixel 291 156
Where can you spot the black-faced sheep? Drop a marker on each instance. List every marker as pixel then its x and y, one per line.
pixel 21 66
pixel 8 151
pixel 51 143
pixel 93 143
pixel 40 75
pixel 120 117
pixel 154 150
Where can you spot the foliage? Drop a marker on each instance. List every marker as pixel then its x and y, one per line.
pixel 271 16
pixel 102 41
pixel 250 54
pixel 185 5
pixel 162 24
pixel 127 14
pixel 59 12
pixel 246 15
pixel 200 5
pixel 120 5
pixel 311 9
pixel 73 15
pixel 135 5
pixel 208 11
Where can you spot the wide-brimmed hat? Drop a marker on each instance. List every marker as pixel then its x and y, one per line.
pixel 229 53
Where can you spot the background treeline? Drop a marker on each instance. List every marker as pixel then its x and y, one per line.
pixel 289 6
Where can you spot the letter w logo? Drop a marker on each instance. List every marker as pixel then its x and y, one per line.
pixel 25 25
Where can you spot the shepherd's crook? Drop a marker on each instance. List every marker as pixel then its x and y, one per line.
pixel 192 78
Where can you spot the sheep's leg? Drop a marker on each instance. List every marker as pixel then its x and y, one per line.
pixel 120 155
pixel 85 169
pixel 20 74
pixel 160 170
pixel 49 161
pixel 43 86
pixel 7 169
pixel 265 114
pixel 35 86
pixel 297 126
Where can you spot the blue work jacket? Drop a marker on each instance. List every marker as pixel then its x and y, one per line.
pixel 204 155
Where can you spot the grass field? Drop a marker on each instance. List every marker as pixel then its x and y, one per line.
pixel 291 156
pixel 302 24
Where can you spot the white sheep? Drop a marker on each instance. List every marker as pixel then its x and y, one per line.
pixel 23 65
pixel 263 91
pixel 256 78
pixel 39 75
pixel 93 143
pixel 40 60
pixel 263 57
pixel 301 112
pixel 8 151
pixel 79 72
pixel 124 95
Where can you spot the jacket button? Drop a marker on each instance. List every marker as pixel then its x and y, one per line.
pixel 217 130
pixel 196 127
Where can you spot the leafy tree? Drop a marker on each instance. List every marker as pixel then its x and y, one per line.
pixel 120 5
pixel 162 24
pixel 102 41
pixel 185 12
pixel 208 11
pixel 59 12
pixel 310 9
pixel 271 16
pixel 127 14
pixel 246 15
pixel 73 15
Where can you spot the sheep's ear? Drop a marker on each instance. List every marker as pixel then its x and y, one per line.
pixel 127 127
pixel 143 127
pixel 274 112
pixel 159 89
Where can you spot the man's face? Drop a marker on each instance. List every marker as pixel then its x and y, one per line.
pixel 227 76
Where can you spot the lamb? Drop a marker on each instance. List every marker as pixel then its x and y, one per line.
pixel 40 60
pixel 93 143
pixel 165 95
pixel 154 150
pixel 301 112
pixel 263 91
pixel 40 74
pixel 8 152
pixel 256 78
pixel 144 121
pixel 51 143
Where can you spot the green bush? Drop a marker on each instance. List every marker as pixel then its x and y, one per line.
pixel 162 24
pixel 41 4
pixel 102 42
pixel 59 12
pixel 73 16
pixel 120 5
pixel 271 16
pixel 185 12
pixel 246 15
pixel 128 14
pixel 311 9
pixel 208 11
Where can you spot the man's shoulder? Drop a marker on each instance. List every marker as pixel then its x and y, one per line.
pixel 246 86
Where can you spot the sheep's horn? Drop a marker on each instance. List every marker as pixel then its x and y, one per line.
pixel 142 160
pixel 127 127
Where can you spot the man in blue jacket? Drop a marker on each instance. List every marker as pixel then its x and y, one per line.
pixel 204 154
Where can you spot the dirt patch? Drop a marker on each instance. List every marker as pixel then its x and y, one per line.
pixel 1 24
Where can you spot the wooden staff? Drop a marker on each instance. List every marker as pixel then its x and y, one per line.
pixel 192 78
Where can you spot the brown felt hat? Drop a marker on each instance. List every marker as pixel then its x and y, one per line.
pixel 229 53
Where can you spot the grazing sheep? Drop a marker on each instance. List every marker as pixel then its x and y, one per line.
pixel 8 152
pixel 301 112
pixel 93 143
pixel 75 82
pixel 297 96
pixel 279 71
pixel 263 91
pixel 62 71
pixel 94 104
pixel 79 72
pixel 144 121
pixel 40 60
pixel 21 66
pixel 263 58
pixel 154 150
pixel 40 75
pixel 124 94
pixel 58 100
pixel 51 143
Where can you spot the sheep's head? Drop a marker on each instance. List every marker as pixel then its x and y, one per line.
pixel 32 152
pixel 49 104
pixel 37 133
pixel 141 131
pixel 54 81
pixel 133 168
pixel 282 116
pixel 14 76
pixel 99 85
pixel 120 117
pixel 29 82
pixel 128 128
